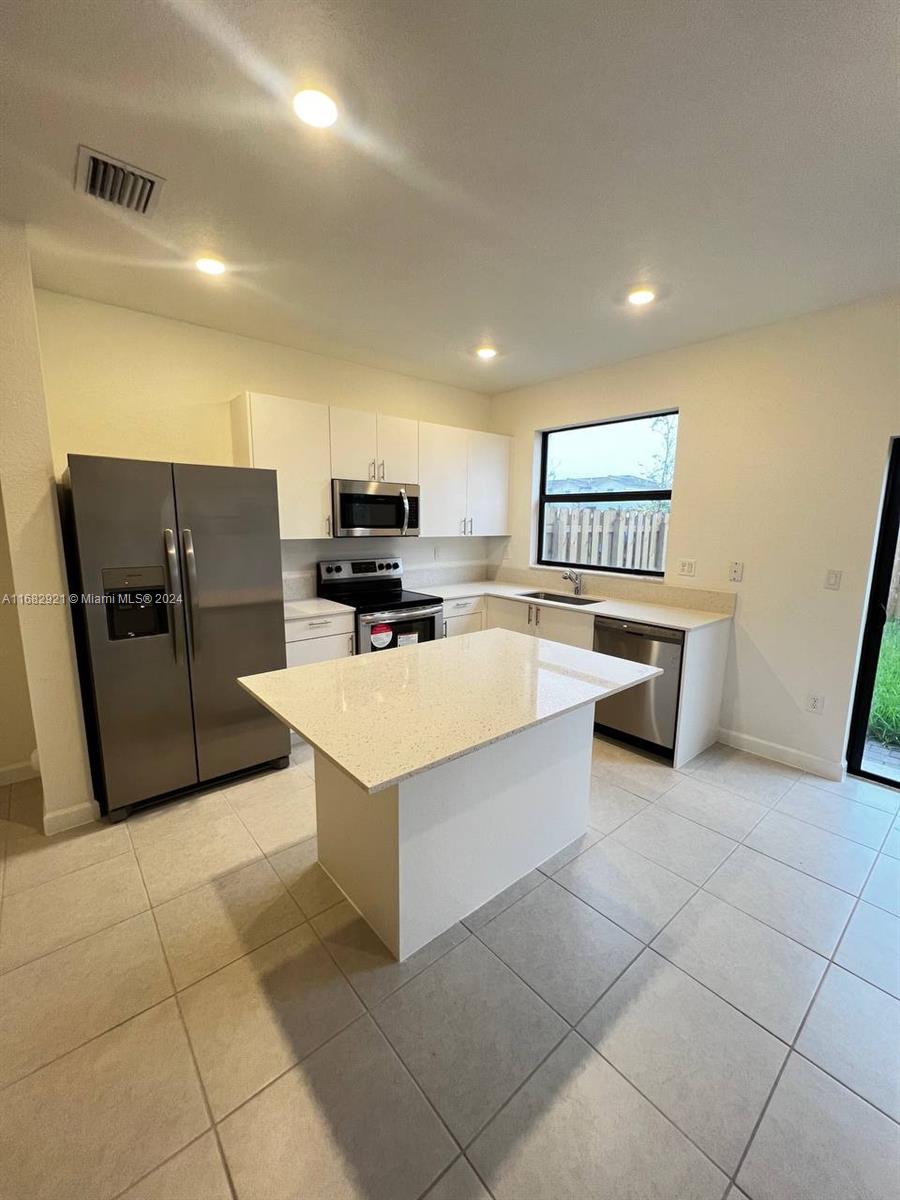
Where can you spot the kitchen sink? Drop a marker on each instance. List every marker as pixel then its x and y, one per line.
pixel 559 598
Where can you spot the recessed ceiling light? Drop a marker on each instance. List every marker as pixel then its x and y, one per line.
pixel 315 108
pixel 210 266
pixel 641 295
pixel 486 352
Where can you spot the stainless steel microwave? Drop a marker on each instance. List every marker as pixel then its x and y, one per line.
pixel 368 508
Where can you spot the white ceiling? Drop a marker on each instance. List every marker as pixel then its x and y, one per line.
pixel 501 169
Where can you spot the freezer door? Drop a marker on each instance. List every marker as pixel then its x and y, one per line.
pixel 231 555
pixel 122 536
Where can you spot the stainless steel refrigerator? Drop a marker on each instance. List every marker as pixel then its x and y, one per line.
pixel 179 572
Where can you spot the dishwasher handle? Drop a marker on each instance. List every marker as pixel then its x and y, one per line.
pixel 657 633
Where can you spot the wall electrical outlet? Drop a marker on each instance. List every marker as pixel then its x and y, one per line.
pixel 437 552
pixel 736 571
pixel 833 580
pixel 815 703
pixel 687 566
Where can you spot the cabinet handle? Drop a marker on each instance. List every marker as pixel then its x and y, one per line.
pixel 328 526
pixel 350 644
pixel 462 525
pixel 529 614
pixel 537 615
pixel 372 469
pixel 381 471
pixel 471 526
pixel 445 629
pixel 462 604
pixel 318 624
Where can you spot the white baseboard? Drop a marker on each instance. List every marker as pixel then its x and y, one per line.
pixel 824 767
pixel 17 772
pixel 69 818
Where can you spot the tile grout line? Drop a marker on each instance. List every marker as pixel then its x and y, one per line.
pixel 800 1028
pixel 63 874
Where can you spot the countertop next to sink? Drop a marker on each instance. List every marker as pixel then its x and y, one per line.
pixel 625 610
pixel 298 610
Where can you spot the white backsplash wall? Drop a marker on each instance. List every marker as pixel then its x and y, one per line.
pixel 426 561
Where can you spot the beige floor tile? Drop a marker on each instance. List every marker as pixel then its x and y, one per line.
pixel 281 816
pixel 36 859
pixel 480 917
pixel 883 886
pixel 754 778
pixel 177 864
pixel 828 810
pixel 641 774
pixel 817 1139
pixel 95 1121
pixel 577 1129
pixel 310 886
pixel 870 947
pixel 557 861
pixel 690 850
pixel 371 968
pixel 705 1065
pixel 195 1173
pixel 54 914
pixel 833 859
pixel 346 1124
pixel 56 1003
pixel 286 781
pixel 714 807
pixel 611 805
pixel 861 790
pixel 459 1183
pixel 176 817
pixel 26 808
pixel 258 1016
pixel 211 926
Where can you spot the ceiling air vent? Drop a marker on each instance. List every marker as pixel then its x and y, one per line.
pixel 116 182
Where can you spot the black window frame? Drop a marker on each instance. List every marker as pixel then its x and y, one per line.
pixel 594 497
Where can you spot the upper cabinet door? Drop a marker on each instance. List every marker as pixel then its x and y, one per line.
pixel 443 470
pixel 353 444
pixel 398 449
pixel 290 437
pixel 488 474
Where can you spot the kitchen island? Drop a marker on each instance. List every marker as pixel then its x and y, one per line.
pixel 445 771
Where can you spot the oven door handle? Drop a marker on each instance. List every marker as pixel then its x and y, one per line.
pixel 405 500
pixel 404 614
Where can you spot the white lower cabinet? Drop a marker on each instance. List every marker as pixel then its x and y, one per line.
pixel 467 623
pixel 320 649
pixel 555 624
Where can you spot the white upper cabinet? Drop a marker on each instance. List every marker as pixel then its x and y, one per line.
pixel 443 475
pixel 292 438
pixel 366 446
pixel 464 475
pixel 353 451
pixel 398 449
pixel 488 494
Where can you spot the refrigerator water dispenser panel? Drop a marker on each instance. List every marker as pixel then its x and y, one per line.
pixel 135 602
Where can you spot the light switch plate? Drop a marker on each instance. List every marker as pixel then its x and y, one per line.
pixel 687 566
pixel 833 580
pixel 815 702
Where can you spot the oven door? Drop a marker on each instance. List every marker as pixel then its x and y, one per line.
pixel 371 509
pixel 408 627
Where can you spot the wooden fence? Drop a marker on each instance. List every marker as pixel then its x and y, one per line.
pixel 606 537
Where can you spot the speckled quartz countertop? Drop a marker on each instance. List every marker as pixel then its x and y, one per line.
pixel 625 610
pixel 384 717
pixel 296 610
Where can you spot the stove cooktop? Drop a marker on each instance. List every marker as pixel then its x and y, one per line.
pixel 368 584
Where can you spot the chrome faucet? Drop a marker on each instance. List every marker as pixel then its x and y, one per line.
pixel 575 579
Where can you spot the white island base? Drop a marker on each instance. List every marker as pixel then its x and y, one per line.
pixel 416 857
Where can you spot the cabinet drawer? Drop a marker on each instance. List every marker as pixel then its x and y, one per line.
pixel 314 650
pixel 315 627
pixel 467 623
pixel 461 608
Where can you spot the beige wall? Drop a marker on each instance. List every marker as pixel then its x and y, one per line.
pixel 16 729
pixel 126 383
pixel 35 546
pixel 783 444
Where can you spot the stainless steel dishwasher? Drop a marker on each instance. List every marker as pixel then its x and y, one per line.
pixel 649 710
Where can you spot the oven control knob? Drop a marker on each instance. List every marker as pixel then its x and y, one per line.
pixel 337 570
pixel 396 566
pixel 328 570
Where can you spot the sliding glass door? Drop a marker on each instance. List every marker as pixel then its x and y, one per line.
pixel 874 747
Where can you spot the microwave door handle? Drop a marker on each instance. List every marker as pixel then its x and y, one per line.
pixel 405 500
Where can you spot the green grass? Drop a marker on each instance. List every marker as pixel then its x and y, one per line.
pixel 884 716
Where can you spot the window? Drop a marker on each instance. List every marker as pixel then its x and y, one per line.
pixel 606 492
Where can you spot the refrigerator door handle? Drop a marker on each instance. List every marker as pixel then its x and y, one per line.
pixel 174 575
pixel 190 559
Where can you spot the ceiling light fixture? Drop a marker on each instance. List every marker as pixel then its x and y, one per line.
pixel 210 266
pixel 640 296
pixel 486 353
pixel 315 108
